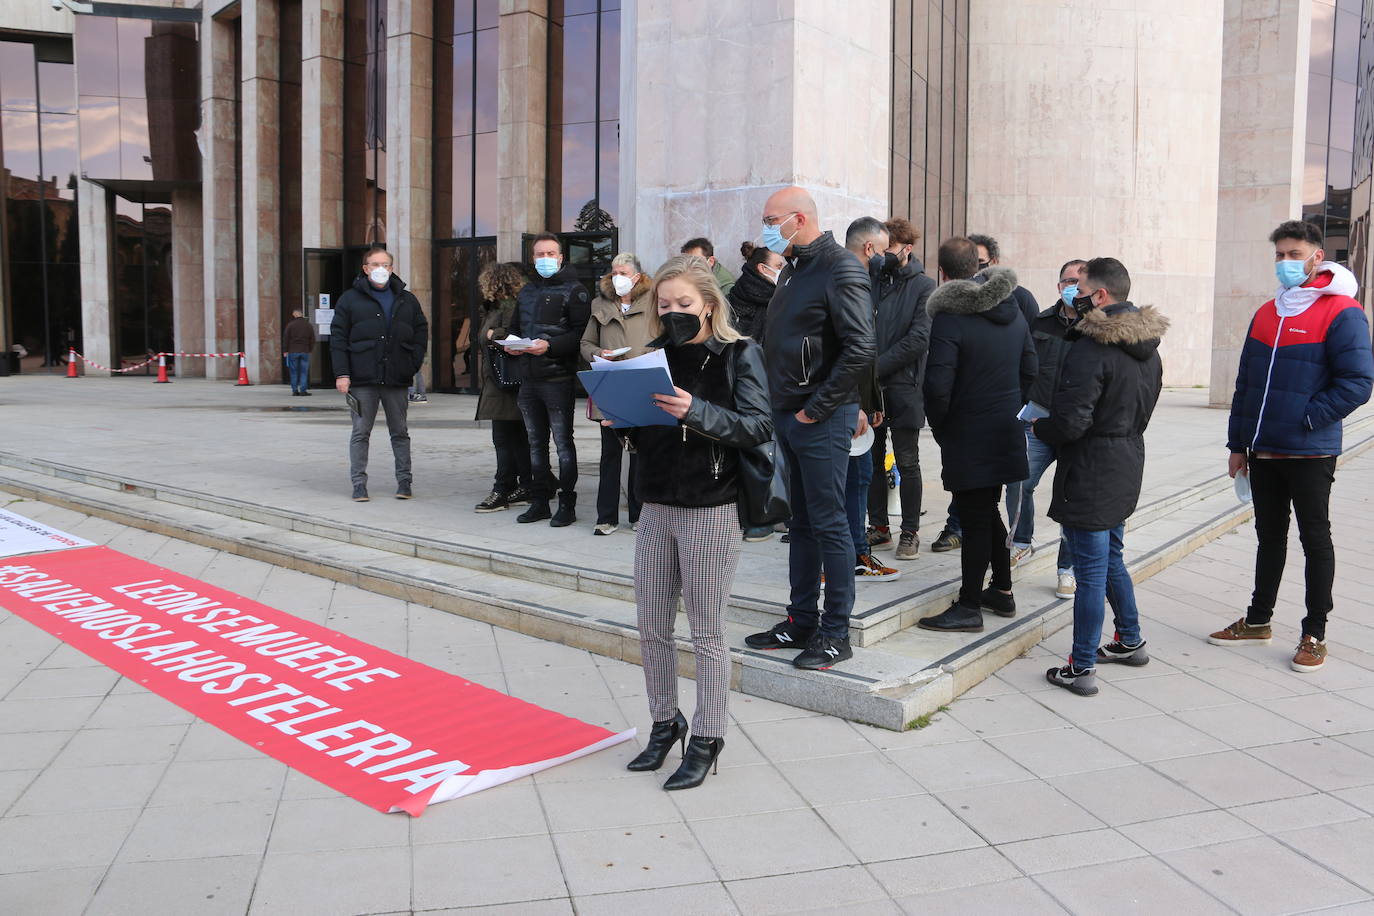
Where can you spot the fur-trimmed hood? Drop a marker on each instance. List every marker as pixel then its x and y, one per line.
pixel 971 297
pixel 1135 330
pixel 607 291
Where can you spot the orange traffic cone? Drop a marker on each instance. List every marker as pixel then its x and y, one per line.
pixel 71 362
pixel 161 370
pixel 243 370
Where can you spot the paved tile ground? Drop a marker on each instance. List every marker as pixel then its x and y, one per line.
pixel 1213 780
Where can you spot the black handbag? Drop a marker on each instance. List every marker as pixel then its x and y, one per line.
pixel 502 368
pixel 763 486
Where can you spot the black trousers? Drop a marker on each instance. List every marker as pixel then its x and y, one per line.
pixel 985 543
pixel 1304 484
pixel 906 445
pixel 512 454
pixel 548 411
pixel 608 488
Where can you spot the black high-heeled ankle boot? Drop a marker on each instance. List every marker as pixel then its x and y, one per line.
pixel 661 738
pixel 701 753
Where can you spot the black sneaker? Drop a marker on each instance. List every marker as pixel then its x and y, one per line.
pixel 823 652
pixel 360 494
pixel 1082 681
pixel 958 619
pixel 495 502
pixel 947 540
pixel 1001 604
pixel 519 496
pixel 1117 651
pixel 785 635
pixel 403 491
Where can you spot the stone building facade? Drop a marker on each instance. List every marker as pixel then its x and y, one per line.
pixel 180 176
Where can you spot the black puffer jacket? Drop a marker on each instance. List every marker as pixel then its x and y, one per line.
pixel 818 335
pixel 1107 391
pixel 749 299
pixel 369 351
pixel 697 462
pixel 980 368
pixel 556 309
pixel 1048 332
pixel 903 333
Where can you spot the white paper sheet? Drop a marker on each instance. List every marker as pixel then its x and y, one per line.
pixel 20 535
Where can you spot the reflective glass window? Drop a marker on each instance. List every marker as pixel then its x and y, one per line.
pixel 1323 35
pixel 18 86
pixel 584 112
pixel 57 87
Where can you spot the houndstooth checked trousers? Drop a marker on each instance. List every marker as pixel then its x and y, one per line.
pixel 691 552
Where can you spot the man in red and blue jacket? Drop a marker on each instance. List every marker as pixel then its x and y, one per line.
pixel 1305 366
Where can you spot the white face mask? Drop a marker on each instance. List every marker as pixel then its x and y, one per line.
pixel 379 276
pixel 622 285
pixel 770 274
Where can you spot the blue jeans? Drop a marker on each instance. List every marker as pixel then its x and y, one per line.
pixel 1102 578
pixel 857 481
pixel 817 456
pixel 1041 456
pixel 298 368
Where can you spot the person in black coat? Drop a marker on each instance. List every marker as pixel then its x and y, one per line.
pixel 980 367
pixel 902 327
pixel 552 310
pixel 753 289
pixel 378 340
pixel 1108 385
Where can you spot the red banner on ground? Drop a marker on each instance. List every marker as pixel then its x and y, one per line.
pixel 390 732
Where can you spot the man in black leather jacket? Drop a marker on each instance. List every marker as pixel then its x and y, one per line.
pixel 378 340
pixel 818 338
pixel 552 310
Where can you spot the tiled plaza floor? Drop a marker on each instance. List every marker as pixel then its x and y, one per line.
pixel 1212 780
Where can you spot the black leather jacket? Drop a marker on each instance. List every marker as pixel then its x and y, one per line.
pixel 818 333
pixel 556 309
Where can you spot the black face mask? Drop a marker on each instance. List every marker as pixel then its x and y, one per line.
pixel 1083 304
pixel 984 265
pixel 679 328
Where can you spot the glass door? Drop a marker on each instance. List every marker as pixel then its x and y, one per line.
pixel 457 311
pixel 326 276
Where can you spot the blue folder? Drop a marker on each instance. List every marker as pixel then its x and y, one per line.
pixel 623 396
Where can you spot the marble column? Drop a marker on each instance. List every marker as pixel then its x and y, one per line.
pixel 260 62
pixel 219 206
pixel 522 133
pixel 188 281
pixel 97 288
pixel 322 165
pixel 790 94
pixel 410 145
pixel 1136 176
pixel 1263 130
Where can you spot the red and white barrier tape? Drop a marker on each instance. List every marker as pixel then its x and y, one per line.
pixel 90 362
pixel 202 355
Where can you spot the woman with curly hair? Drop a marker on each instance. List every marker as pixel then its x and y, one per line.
pixel 499 285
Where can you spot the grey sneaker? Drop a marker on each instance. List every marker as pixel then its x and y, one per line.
pixel 1117 651
pixel 908 546
pixel 1082 681
pixel 360 494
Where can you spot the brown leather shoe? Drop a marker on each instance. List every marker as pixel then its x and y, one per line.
pixel 1242 633
pixel 1311 655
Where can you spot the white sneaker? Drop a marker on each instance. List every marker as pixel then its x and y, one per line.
pixel 605 528
pixel 1021 553
pixel 1065 586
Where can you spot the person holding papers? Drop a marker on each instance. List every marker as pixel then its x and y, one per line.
pixel 619 329
pixel 689 482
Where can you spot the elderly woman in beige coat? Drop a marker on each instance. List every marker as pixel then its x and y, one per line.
pixel 620 319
